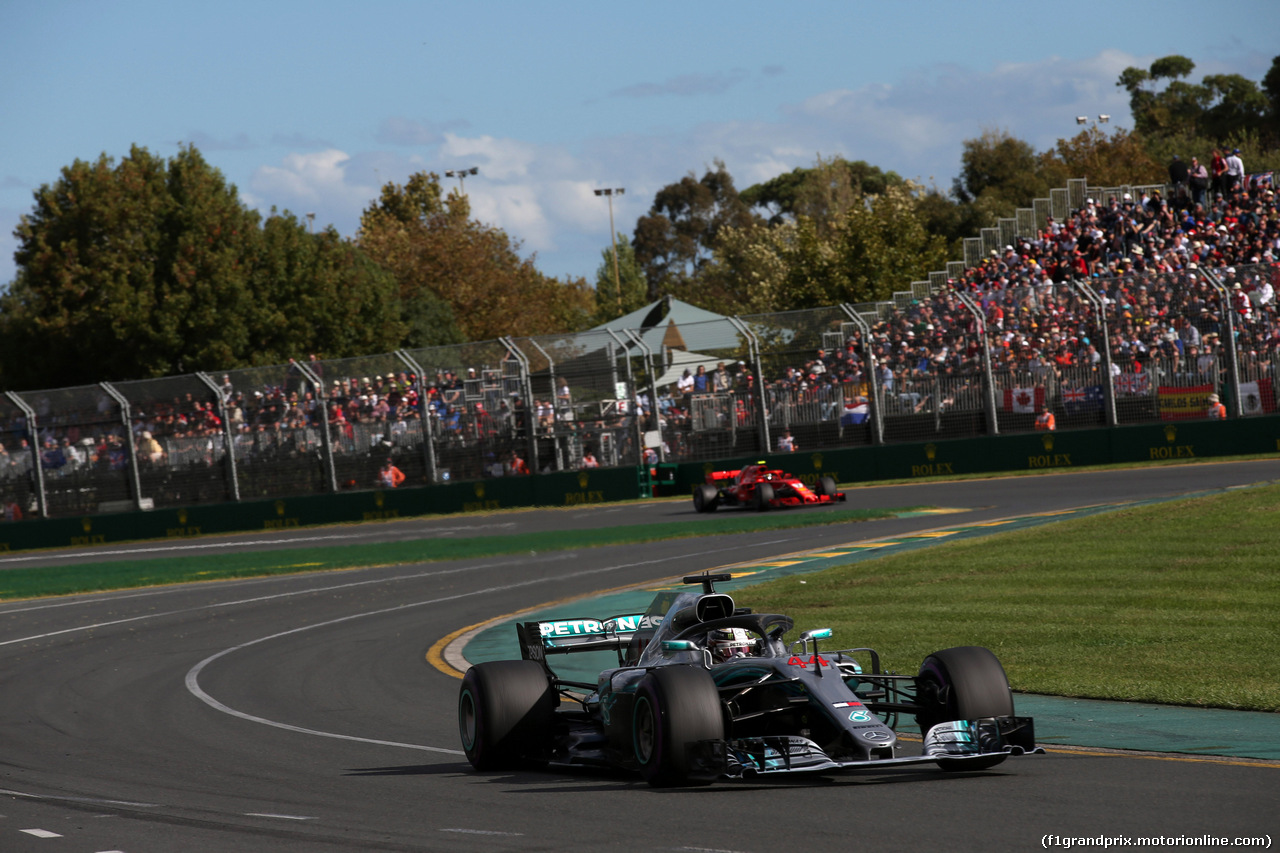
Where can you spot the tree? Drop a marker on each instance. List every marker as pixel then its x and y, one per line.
pixel 610 302
pixel 823 191
pixel 676 239
pixel 148 268
pixel 1107 161
pixel 437 253
pixel 353 304
pixel 1220 108
pixel 877 246
pixel 1001 170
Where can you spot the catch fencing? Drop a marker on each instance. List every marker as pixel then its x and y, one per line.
pixel 926 366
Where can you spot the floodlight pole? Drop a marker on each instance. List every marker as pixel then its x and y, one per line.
pixel 613 235
pixel 461 175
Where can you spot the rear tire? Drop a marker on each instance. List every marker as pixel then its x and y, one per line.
pixel 827 487
pixel 962 683
pixel 763 496
pixel 706 498
pixel 506 712
pixel 675 707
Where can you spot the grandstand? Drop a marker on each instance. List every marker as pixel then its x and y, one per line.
pixel 1107 306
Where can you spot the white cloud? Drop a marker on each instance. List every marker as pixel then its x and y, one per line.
pixel 542 195
pixel 306 181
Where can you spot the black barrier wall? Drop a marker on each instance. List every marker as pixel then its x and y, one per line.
pixel 1181 442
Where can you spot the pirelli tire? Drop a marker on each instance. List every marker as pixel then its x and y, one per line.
pixel 675 708
pixel 962 683
pixel 706 498
pixel 763 497
pixel 506 714
pixel 827 487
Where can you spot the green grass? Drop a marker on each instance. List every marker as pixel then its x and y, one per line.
pixel 1177 603
pixel 98 577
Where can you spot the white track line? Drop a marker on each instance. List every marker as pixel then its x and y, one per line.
pixel 193 675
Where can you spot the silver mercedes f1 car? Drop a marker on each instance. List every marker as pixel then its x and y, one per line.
pixel 707 690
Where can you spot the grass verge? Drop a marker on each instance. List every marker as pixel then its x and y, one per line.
pixel 1175 603
pixel 98 577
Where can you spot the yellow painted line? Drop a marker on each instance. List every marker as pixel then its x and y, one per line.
pixel 936 535
pixel 993 523
pixel 830 553
pixel 780 564
pixel 1229 762
pixel 435 654
pixel 875 545
pixel 941 511
pixel 1101 752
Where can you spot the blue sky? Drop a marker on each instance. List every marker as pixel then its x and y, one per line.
pixel 311 106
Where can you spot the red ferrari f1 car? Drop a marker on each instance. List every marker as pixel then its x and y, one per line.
pixel 761 487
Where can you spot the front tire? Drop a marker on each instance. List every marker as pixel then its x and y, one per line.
pixel 506 711
pixel 827 487
pixel 675 707
pixel 962 683
pixel 763 497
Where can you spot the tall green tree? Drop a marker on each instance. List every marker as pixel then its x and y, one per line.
pixel 677 237
pixel 146 267
pixel 875 247
pixel 611 301
pixel 822 192
pixel 1000 171
pixel 319 293
pixel 1221 108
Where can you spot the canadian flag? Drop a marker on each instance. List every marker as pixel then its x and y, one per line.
pixel 1023 399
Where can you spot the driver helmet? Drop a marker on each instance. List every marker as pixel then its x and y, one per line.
pixel 728 643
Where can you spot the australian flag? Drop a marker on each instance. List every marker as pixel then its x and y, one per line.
pixel 1086 399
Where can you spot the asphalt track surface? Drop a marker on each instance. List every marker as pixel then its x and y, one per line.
pixel 299 713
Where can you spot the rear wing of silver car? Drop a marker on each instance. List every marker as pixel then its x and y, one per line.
pixel 567 636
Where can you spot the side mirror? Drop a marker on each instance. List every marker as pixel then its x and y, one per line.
pixel 678 646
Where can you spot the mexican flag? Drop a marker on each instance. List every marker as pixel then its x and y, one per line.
pixel 1257 397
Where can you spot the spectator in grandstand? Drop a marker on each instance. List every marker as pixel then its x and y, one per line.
pixel 589 459
pixel 150 449
pixel 701 382
pixel 721 381
pixel 389 476
pixel 1234 173
pixel 786 444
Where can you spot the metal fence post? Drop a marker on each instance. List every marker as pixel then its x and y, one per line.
pixel 530 412
pixel 1233 363
pixel 126 418
pixel 561 461
pixel 989 380
pixel 762 403
pixel 424 415
pixel 638 427
pixel 653 390
pixel 326 440
pixel 1108 383
pixel 868 351
pixel 33 444
pixel 233 478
